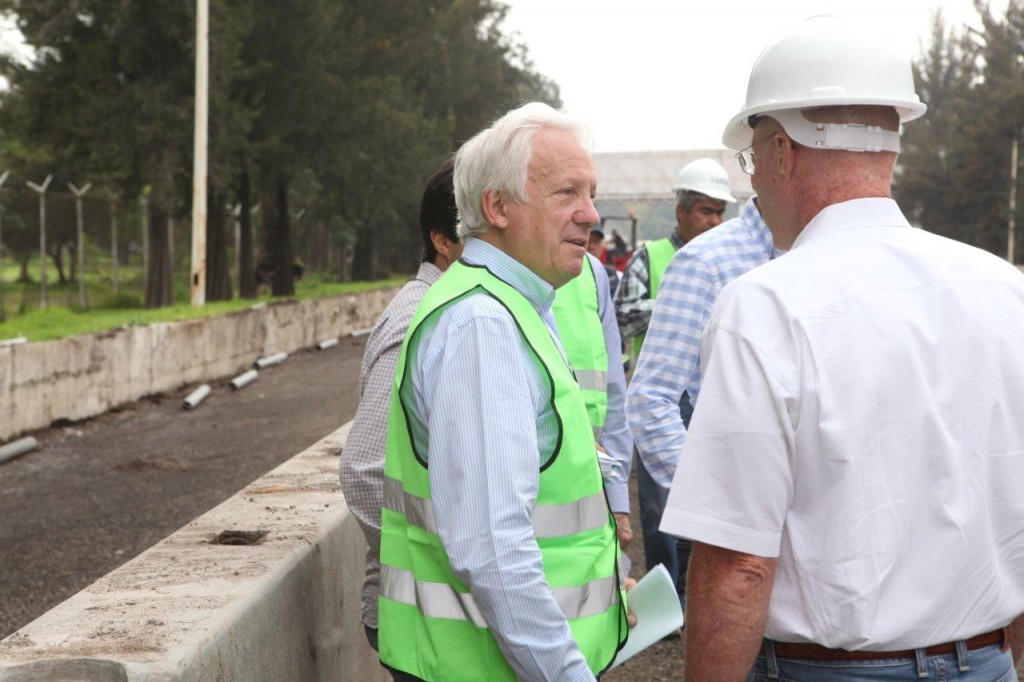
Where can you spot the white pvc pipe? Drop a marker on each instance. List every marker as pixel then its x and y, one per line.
pixel 327 343
pixel 244 379
pixel 361 332
pixel 17 448
pixel 270 360
pixel 14 341
pixel 195 397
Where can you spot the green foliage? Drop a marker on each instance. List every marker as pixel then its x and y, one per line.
pixel 57 322
pixel 954 172
pixel 349 106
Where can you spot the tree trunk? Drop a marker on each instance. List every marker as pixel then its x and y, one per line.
pixel 364 259
pixel 246 274
pixel 57 256
pixel 218 275
pixel 23 276
pixel 277 246
pixel 159 282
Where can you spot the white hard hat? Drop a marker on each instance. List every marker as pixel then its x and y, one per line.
pixel 707 177
pixel 825 63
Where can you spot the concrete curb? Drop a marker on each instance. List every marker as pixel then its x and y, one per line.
pixel 285 608
pixel 83 376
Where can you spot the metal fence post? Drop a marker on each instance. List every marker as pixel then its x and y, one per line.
pixel 42 236
pixel 79 193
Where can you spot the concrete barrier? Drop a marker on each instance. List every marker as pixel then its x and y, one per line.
pixel 284 608
pixel 83 376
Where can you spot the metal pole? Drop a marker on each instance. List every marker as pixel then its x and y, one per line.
pixel 113 241
pixel 3 179
pixel 42 236
pixel 144 210
pixel 1013 197
pixel 79 193
pixel 198 279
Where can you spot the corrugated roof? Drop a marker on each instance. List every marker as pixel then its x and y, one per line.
pixel 645 176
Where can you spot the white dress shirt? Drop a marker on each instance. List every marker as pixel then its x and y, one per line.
pixel 862 419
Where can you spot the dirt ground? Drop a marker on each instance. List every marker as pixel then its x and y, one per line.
pixel 99 492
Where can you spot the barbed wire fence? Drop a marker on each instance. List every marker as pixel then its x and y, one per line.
pixel 96 246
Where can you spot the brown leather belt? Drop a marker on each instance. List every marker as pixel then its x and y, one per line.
pixel 815 652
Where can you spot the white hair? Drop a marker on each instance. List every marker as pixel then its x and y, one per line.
pixel 496 160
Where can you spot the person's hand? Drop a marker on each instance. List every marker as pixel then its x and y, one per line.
pixel 624 530
pixel 631 619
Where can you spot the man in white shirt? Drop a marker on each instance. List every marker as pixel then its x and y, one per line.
pixel 854 467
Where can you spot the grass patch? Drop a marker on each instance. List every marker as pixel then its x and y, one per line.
pixel 57 321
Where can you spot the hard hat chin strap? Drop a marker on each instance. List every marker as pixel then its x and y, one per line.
pixel 851 137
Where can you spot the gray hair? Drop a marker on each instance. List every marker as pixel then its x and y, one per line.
pixel 687 198
pixel 496 160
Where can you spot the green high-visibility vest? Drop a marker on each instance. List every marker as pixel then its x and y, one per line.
pixel 659 255
pixel 429 623
pixel 579 328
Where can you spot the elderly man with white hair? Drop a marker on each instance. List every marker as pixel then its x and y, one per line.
pixel 498 550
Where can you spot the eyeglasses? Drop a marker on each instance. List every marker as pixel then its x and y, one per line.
pixel 746 159
pixel 746 156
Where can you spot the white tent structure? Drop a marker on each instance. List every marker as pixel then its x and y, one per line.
pixel 640 183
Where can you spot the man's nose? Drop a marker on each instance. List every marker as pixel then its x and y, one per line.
pixel 588 214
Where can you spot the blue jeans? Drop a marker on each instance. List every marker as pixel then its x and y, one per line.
pixel 987 664
pixel 659 548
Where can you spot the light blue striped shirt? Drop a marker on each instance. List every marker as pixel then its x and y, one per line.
pixel 669 363
pixel 480 410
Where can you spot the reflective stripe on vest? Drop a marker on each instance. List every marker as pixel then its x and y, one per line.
pixel 578 315
pixel 549 521
pixel 438 600
pixel 659 255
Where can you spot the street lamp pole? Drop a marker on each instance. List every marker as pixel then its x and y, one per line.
pixel 198 279
pixel 1011 225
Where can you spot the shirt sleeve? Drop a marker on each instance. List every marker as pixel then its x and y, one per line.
pixel 361 466
pixel 734 482
pixel 484 476
pixel 670 364
pixel 615 437
pixel 633 304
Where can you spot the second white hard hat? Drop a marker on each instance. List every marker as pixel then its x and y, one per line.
pixel 825 63
pixel 707 177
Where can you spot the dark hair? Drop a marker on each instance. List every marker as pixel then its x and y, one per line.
pixel 437 209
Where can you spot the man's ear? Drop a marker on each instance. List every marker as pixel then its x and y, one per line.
pixel 494 208
pixel 785 155
pixel 681 213
pixel 441 243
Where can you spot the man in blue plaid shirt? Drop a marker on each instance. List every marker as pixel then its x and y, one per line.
pixel 666 380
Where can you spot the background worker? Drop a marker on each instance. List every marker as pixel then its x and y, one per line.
pixel 853 469
pixel 702 192
pixel 666 381
pixel 585 316
pixel 361 467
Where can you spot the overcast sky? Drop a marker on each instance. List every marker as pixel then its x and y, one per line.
pixel 669 74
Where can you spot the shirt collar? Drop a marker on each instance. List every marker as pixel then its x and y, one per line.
pixel 870 212
pixel 428 273
pixel 676 240
pixel 750 214
pixel 539 293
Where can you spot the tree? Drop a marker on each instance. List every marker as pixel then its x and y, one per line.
pixel 954 173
